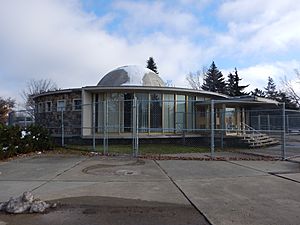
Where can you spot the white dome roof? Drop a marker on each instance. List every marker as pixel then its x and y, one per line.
pixel 131 75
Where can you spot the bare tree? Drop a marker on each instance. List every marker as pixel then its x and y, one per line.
pixel 35 87
pixel 290 89
pixel 195 79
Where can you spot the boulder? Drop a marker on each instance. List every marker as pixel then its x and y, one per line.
pixel 25 203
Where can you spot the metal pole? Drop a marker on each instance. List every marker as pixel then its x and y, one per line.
pixel 93 125
pixel 134 128
pixel 137 130
pixel 268 118
pixel 283 133
pixel 212 125
pixel 25 121
pixel 222 127
pixel 62 128
pixel 105 114
pixel 287 123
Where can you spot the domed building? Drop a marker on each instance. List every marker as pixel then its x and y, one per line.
pixel 127 99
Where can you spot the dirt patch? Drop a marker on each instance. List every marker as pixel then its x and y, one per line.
pixel 107 211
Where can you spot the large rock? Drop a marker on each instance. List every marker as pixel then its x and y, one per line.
pixel 16 205
pixel 25 203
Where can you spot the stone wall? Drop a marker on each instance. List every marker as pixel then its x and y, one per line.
pixel 53 119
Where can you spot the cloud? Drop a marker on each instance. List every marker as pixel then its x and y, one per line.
pixel 58 40
pixel 62 40
pixel 158 16
pixel 257 75
pixel 261 27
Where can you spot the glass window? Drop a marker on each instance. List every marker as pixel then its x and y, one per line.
pixel 155 112
pixel 48 106
pixel 180 112
pixel 191 113
pixel 61 105
pixel 77 104
pixel 113 109
pixel 143 110
pixel 41 107
pixel 169 106
pixel 230 118
pixel 200 98
pixel 127 115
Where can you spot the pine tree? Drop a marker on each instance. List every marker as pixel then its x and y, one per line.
pixel 289 103
pixel 258 92
pixel 233 86
pixel 214 80
pixel 152 65
pixel 270 90
pixel 230 85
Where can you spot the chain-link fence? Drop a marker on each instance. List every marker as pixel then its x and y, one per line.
pixel 160 126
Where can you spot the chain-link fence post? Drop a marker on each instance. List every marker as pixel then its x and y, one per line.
pixel 222 126
pixel 93 125
pixel 212 124
pixel 105 124
pixel 283 153
pixel 135 144
pixel 287 123
pixel 62 128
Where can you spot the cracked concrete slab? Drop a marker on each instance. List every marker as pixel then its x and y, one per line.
pixel 162 191
pixel 16 188
pixel 245 200
pixel 183 170
pixel 271 166
pixel 37 168
pixel 292 176
pixel 229 193
pixel 118 169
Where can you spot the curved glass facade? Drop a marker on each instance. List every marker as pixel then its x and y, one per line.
pixel 156 112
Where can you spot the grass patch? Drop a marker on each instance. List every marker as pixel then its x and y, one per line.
pixel 144 149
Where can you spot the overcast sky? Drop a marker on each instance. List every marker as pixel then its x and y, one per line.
pixel 75 42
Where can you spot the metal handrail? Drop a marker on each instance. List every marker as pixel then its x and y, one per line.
pixel 252 130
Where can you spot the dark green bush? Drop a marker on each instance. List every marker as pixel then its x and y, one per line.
pixel 15 140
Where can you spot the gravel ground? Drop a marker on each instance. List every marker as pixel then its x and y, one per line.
pixel 109 211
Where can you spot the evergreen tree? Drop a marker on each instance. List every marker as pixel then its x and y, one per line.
pixel 152 65
pixel 289 103
pixel 214 80
pixel 230 85
pixel 257 92
pixel 233 86
pixel 6 105
pixel 270 90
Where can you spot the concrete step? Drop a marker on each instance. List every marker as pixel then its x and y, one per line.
pixel 259 140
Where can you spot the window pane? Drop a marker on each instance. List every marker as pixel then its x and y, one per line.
pixel 180 112
pixel 61 105
pixel 169 113
pixel 113 117
pixel 48 106
pixel 155 112
pixel 191 113
pixel 142 103
pixel 77 104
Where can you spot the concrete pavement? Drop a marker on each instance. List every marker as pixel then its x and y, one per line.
pixel 240 192
pixel 226 192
